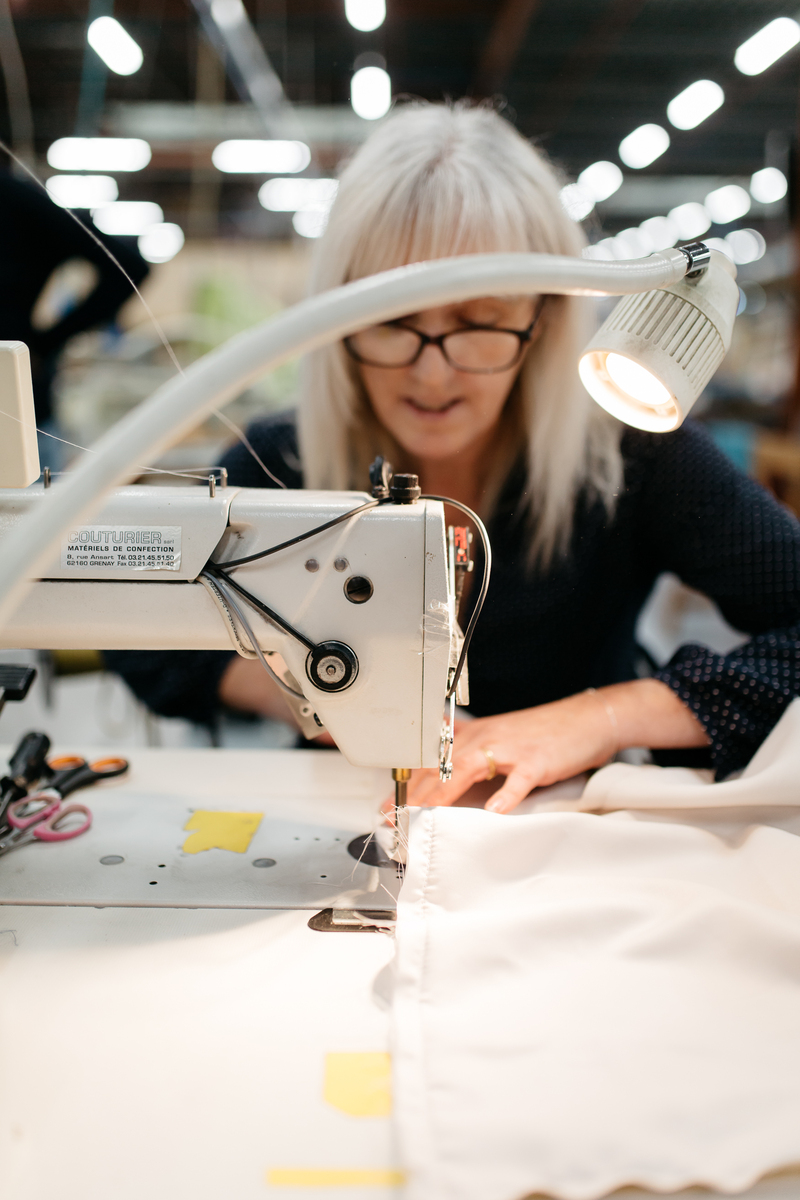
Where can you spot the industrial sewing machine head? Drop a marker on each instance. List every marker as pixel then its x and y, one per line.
pixel 362 613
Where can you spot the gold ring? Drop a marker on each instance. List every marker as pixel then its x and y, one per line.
pixel 492 762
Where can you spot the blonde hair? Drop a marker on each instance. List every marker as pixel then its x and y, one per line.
pixel 437 180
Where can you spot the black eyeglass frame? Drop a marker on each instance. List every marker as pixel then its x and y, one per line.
pixel 524 336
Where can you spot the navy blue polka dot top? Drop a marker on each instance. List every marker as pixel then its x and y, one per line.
pixel 549 633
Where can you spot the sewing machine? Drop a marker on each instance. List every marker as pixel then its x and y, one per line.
pixel 370 598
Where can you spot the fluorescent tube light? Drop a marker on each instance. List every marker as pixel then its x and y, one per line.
pixel 727 204
pixel 115 46
pixel 128 217
pixel 768 185
pixel 576 202
pixel 298 195
pixel 253 157
pixel 691 220
pixel 695 103
pixel 99 154
pixel 600 180
pixel 767 46
pixel 160 243
pixel 643 146
pixel 371 93
pixel 365 15
pixel 82 191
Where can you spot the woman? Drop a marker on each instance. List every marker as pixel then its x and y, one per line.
pixel 482 400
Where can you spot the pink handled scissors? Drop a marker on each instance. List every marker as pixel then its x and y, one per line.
pixel 41 818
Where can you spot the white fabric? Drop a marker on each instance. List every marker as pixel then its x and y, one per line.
pixel 587 1002
pixel 771 779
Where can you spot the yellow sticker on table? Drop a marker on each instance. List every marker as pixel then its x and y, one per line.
pixel 333 1177
pixel 359 1084
pixel 221 831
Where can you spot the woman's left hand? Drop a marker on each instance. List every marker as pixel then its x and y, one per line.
pixel 532 748
pixel 540 746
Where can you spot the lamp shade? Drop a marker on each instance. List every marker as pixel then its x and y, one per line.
pixel 651 359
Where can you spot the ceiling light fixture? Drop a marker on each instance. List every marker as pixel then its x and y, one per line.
pixel 691 220
pixel 727 204
pixel 745 245
pixel 661 231
pixel 643 146
pixel 298 195
pixel 160 243
pixel 365 15
pixel 371 93
pixel 250 156
pixel 767 46
pixel 695 104
pixel 600 180
pixel 768 185
pixel 115 46
pixel 128 218
pixel 99 154
pixel 576 202
pixel 82 191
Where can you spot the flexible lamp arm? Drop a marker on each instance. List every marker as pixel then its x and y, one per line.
pixel 185 400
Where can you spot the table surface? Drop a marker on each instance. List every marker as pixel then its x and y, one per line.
pixel 149 1048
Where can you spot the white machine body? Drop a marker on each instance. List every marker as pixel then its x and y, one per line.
pixel 128 579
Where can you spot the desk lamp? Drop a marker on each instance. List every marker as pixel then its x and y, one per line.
pixel 647 364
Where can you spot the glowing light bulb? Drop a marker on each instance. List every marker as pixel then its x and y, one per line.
pixel 636 381
pixel 243 156
pixel 768 185
pixel 115 46
pixel 662 232
pixel 643 146
pixel 600 180
pixel 365 15
pixel 371 93
pixel 128 218
pixel 82 191
pixel 576 203
pixel 298 195
pixel 99 154
pixel 690 219
pixel 767 46
pixel 160 243
pixel 695 103
pixel 727 204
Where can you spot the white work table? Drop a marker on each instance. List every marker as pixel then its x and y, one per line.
pixel 170 1028
pixel 157 1049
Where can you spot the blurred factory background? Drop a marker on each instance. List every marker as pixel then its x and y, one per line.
pixel 208 134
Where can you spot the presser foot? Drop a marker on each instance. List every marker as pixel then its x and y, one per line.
pixel 353 920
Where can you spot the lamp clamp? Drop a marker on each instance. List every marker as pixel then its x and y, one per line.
pixel 698 257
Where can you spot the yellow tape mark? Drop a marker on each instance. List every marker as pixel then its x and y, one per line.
pixel 359 1084
pixel 333 1177
pixel 221 831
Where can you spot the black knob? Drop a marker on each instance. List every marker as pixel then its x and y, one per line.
pixel 405 489
pixel 331 666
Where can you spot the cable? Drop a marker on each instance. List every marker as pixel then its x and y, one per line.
pixel 263 608
pixel 216 582
pixel 301 537
pixel 487 572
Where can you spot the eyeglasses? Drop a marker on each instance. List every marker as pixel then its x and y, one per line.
pixel 481 349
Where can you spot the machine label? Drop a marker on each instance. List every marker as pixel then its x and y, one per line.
pixel 123 548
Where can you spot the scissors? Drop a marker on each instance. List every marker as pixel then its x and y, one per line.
pixel 69 772
pixel 40 818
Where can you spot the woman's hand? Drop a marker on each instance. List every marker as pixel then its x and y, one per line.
pixel 540 746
